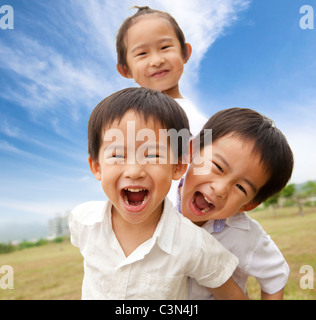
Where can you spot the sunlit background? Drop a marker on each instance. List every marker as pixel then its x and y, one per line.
pixel 59 61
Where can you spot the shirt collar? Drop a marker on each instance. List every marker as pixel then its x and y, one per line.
pixel 165 229
pixel 238 221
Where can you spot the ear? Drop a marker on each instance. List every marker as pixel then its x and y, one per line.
pixel 179 170
pixel 188 52
pixel 195 149
pixel 95 168
pixel 187 158
pixel 249 206
pixel 124 71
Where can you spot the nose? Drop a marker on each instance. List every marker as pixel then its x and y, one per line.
pixel 220 188
pixel 134 171
pixel 156 60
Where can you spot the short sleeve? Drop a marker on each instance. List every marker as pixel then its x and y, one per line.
pixel 214 264
pixel 268 266
pixel 73 228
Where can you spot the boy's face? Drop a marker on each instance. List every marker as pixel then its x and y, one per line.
pixel 231 178
pixel 129 169
pixel 154 56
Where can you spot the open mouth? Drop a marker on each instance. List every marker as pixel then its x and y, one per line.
pixel 201 203
pixel 134 197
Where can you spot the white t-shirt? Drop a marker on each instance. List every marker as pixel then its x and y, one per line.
pixel 258 256
pixel 158 269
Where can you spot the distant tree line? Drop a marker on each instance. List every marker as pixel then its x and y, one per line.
pixel 292 195
pixel 9 247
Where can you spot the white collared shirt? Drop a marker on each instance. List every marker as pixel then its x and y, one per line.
pixel 157 269
pixel 258 256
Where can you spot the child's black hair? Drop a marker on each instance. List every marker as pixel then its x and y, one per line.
pixel 269 142
pixel 142 11
pixel 148 103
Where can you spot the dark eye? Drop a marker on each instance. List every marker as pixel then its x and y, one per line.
pixel 218 167
pixel 165 47
pixel 241 188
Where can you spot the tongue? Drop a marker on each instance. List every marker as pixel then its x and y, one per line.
pixel 136 196
pixel 200 202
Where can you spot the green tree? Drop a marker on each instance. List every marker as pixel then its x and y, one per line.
pixel 309 188
pixel 289 191
pixel 272 202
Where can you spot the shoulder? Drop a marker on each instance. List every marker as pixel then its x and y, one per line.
pixel 242 236
pixel 89 213
pixel 241 223
pixel 196 238
pixel 262 250
pixel 208 262
pixel 183 230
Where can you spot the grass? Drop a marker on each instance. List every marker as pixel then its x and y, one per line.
pixel 55 271
pixel 295 236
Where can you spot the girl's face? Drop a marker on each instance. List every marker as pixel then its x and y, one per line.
pixel 223 182
pixel 154 56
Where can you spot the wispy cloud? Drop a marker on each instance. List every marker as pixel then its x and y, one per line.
pixel 202 21
pixel 48 76
pixel 57 64
pixel 9 130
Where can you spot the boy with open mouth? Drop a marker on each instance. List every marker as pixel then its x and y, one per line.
pixel 136 245
pixel 247 160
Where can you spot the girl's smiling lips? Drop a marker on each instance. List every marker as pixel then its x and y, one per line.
pixel 159 74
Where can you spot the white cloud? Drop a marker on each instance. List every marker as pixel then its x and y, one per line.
pixel 49 77
pixel 302 143
pixel 298 125
pixel 202 21
pixel 8 129
pixel 66 63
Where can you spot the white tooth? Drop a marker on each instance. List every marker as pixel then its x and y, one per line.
pixel 126 200
pixel 207 209
pixel 135 190
pixel 207 200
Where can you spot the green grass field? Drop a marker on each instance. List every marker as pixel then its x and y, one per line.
pixel 54 271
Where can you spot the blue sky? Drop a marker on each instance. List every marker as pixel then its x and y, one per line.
pixel 59 61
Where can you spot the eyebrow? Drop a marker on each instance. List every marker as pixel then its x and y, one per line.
pixel 253 187
pixel 113 146
pixel 158 146
pixel 222 159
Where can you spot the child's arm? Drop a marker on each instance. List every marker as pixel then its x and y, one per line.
pixel 274 296
pixel 229 291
